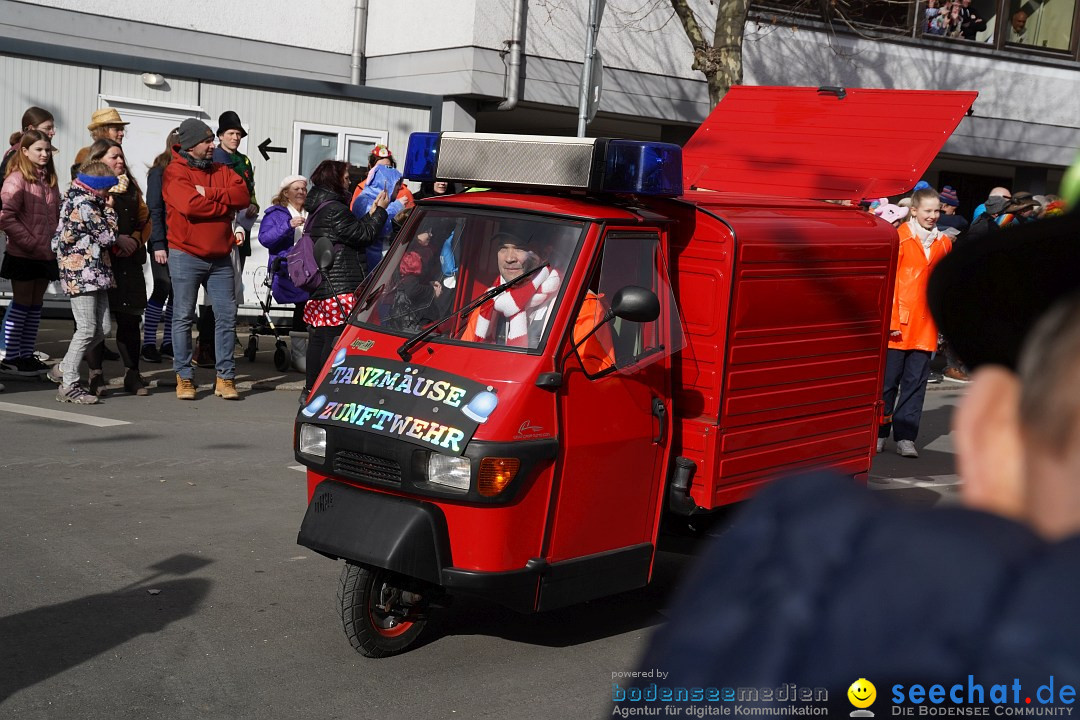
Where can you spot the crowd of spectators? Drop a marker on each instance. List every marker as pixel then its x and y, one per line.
pixel 193 224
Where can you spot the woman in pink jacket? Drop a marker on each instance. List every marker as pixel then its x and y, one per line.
pixel 29 216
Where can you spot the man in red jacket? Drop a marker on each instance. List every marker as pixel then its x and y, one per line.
pixel 201 199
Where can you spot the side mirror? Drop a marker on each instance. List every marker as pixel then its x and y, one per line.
pixel 324 253
pixel 636 304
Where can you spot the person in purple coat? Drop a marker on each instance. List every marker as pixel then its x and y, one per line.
pixel 282 225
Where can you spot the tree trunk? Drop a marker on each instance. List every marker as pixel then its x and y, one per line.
pixel 727 47
pixel 721 60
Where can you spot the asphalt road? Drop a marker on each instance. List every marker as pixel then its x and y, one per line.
pixel 150 569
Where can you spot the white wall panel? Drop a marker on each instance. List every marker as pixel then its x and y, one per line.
pixel 122 83
pixel 68 92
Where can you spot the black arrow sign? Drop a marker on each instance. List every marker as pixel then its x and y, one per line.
pixel 265 148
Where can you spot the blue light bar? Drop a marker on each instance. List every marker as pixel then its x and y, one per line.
pixel 421 157
pixel 642 168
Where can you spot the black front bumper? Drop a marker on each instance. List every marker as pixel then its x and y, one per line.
pixel 410 537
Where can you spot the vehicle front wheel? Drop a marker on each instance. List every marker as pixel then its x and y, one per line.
pixel 381 618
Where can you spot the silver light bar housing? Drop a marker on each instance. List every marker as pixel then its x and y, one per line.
pixel 488 158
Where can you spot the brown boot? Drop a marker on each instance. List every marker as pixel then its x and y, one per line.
pixel 226 388
pixel 134 384
pixel 185 389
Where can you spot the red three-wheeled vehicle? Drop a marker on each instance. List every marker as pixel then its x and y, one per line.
pixel 610 333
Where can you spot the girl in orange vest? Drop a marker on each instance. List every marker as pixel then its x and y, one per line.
pixel 913 335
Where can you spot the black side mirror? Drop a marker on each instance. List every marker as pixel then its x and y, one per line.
pixel 636 304
pixel 324 253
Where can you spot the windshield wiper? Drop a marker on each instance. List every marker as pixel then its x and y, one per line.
pixel 371 297
pixel 406 346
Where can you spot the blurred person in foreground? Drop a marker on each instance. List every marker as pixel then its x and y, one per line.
pixel 820 582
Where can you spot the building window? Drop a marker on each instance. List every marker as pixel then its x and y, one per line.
pixel 879 16
pixel 1046 24
pixel 972 20
pixel 333 142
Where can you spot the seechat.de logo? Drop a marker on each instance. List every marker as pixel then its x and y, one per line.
pixel 862 694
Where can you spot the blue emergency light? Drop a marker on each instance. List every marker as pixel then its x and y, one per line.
pixel 556 163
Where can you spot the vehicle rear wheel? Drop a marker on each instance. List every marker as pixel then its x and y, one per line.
pixel 381 618
pixel 252 348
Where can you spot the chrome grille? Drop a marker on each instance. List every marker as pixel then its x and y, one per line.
pixel 515 160
pixel 367 467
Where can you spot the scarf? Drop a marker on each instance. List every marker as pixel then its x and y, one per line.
pixel 197 164
pixel 515 305
pixel 924 236
pixel 241 165
pixel 294 213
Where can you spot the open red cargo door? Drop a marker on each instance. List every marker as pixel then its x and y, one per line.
pixel 824 143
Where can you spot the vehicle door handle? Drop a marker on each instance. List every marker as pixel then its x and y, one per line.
pixel 659 411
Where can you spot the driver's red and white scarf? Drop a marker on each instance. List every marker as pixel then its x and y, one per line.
pixel 518 305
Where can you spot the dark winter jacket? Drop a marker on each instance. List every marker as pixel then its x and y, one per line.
pixel 278 236
pixel 981 226
pixel 132 218
pixel 820 581
pixel 952 221
pixel 350 235
pixel 156 204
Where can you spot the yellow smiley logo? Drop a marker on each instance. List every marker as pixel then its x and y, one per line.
pixel 862 693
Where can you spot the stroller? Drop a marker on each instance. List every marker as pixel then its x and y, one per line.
pixel 265 324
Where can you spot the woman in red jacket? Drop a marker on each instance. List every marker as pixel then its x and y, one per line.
pixel 31 210
pixel 913 335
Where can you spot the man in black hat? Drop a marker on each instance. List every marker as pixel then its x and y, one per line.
pixel 820 582
pixel 229 133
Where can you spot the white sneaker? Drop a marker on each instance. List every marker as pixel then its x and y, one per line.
pixel 881 444
pixel 906 448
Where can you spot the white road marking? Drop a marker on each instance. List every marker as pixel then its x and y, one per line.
pixel 298 468
pixel 60 415
pixel 928 481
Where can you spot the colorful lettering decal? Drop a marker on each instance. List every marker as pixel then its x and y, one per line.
pixel 419 405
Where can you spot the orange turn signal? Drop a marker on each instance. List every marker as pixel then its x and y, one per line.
pixel 495 474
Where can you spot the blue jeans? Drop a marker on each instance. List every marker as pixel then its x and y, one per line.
pixel 905 388
pixel 188 273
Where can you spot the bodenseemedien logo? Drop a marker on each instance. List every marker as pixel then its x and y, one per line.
pixel 862 694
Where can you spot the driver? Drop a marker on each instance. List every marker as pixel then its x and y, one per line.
pixel 517 316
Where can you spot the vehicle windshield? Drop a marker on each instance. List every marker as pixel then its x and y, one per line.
pixel 452 257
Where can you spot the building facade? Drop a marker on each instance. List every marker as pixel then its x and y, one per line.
pixel 288 69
